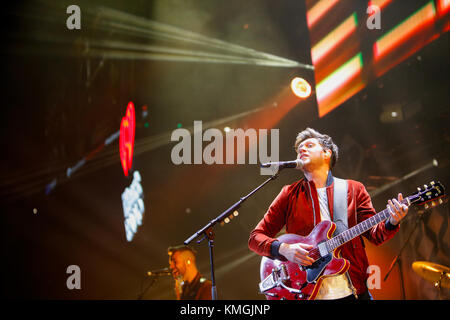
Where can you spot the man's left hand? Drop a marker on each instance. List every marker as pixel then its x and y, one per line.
pixel 397 210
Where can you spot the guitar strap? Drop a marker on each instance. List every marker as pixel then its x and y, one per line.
pixel 340 217
pixel 340 205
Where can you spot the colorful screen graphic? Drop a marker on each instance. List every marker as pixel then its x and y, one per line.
pixel 354 42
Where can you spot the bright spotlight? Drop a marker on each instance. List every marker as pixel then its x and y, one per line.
pixel 300 87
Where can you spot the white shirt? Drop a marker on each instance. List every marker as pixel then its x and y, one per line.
pixel 334 287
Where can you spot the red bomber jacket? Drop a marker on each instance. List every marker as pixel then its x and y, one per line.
pixel 293 208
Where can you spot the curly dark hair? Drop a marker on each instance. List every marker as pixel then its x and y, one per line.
pixel 325 141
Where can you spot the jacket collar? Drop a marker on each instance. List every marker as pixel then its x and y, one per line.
pixel 329 178
pixel 329 181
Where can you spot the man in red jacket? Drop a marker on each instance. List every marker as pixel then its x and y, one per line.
pixel 303 204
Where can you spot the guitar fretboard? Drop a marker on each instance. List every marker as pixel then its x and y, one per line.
pixel 359 229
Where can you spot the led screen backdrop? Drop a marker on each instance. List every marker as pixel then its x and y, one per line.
pixel 354 42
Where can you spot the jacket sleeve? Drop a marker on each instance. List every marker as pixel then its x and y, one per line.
pixel 379 233
pixel 262 239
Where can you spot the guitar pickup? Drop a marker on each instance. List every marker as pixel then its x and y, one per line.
pixel 323 249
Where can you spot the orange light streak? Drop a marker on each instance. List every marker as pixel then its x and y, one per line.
pixel 404 31
pixel 443 7
pixel 340 85
pixel 334 38
pixel 339 77
pixel 318 11
pixel 379 3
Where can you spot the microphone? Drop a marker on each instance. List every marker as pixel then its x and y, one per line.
pixel 297 164
pixel 160 272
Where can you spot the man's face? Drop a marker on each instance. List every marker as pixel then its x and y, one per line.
pixel 177 264
pixel 311 152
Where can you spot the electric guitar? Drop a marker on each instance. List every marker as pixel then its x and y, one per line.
pixel 291 281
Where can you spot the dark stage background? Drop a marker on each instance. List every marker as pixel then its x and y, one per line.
pixel 63 95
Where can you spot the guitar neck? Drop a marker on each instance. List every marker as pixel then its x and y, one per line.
pixel 360 228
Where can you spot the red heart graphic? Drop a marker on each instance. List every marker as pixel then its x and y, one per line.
pixel 126 140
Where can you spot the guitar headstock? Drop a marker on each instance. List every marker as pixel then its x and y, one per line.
pixel 427 193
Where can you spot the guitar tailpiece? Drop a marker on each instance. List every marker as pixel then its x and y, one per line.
pixel 291 290
pixel 271 294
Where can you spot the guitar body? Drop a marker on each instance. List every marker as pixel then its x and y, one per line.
pixel 308 279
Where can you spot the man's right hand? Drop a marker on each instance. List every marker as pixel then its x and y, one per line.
pixel 297 253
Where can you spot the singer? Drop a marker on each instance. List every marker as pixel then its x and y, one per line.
pixel 305 203
pixel 189 283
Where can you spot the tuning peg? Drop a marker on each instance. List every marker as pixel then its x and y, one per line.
pixel 440 201
pixel 418 189
pixel 425 186
pixel 432 183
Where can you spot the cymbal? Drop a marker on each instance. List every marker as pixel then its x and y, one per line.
pixel 433 272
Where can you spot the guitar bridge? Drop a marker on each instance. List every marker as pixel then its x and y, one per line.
pixel 284 275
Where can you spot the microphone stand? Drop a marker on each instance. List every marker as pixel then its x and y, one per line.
pixel 208 232
pixel 398 260
pixel 152 282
